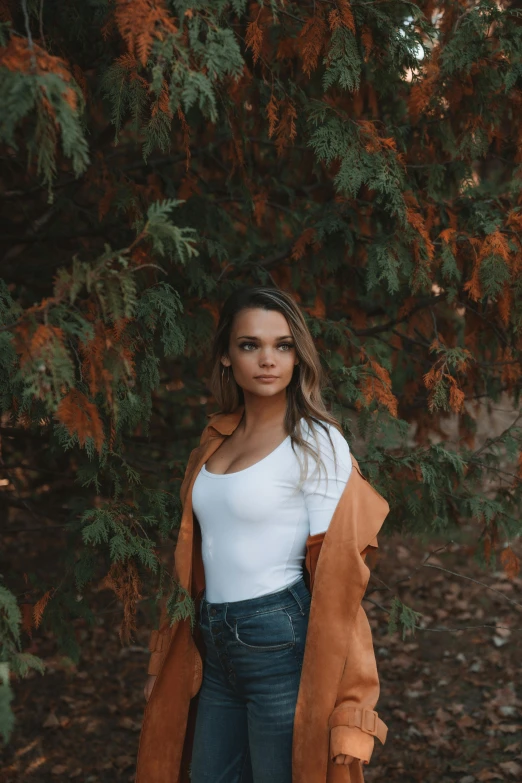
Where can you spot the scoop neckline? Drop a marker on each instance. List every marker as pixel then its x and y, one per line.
pixel 244 470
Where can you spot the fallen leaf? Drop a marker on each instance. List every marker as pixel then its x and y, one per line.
pixel 486 774
pixel 51 721
pixel 123 762
pixel 511 768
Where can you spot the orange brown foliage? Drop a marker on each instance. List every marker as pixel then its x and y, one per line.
pixel 38 344
pixel 17 56
pixel 124 581
pixel 342 16
pixel 286 131
pixel 80 416
pixel 510 563
pixel 416 220
pixel 367 42
pixel 254 39
pixel 422 91
pixel 311 41
pixel 376 385
pixel 456 396
pixel 319 308
pixel 39 608
pixel 504 304
pixel 93 354
pixel 272 111
pixel 142 22
pixel 374 142
pixel 494 244
pixel 307 238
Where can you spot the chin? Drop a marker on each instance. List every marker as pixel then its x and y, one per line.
pixel 269 390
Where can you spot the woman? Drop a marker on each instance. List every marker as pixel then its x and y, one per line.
pixel 264 497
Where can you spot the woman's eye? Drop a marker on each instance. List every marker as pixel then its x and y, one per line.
pixel 285 346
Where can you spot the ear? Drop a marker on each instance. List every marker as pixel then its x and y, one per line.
pixel 225 361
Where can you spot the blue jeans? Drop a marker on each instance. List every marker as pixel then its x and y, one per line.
pixel 251 674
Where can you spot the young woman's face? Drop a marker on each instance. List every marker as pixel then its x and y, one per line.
pixel 261 352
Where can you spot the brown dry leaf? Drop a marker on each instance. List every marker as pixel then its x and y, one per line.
pixel 442 715
pixel 511 768
pixel 59 769
pixel 456 709
pixel 123 762
pixel 401 661
pixel 487 774
pixel 128 723
pixel 467 722
pixel 51 721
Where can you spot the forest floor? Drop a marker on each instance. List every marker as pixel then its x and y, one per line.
pixel 452 700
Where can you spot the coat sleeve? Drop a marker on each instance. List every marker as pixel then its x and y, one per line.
pixel 354 724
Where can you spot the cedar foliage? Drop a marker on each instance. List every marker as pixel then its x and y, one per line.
pixel 157 154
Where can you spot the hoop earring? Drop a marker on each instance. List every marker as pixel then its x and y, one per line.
pixel 223 374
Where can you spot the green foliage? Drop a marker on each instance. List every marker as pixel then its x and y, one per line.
pixel 368 165
pixel 403 617
pixel 168 239
pixel 180 606
pixel 21 94
pixel 343 62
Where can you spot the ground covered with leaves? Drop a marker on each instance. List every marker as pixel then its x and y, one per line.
pixel 452 699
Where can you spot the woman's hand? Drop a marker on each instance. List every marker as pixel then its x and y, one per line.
pixel 343 759
pixel 151 679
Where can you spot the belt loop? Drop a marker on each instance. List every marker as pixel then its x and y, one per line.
pixel 296 596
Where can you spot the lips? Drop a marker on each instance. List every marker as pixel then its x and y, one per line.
pixel 265 377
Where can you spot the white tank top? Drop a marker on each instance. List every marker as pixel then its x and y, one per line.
pixel 255 522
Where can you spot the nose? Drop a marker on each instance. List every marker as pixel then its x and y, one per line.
pixel 266 358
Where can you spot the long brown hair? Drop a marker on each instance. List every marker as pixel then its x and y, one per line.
pixel 304 399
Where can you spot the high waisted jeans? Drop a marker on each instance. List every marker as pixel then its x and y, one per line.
pixel 252 669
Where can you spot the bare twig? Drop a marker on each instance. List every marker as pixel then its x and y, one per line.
pixel 42 36
pixel 28 33
pixel 476 581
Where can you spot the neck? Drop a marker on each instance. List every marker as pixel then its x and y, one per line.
pixel 262 413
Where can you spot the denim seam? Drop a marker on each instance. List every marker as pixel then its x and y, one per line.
pixel 271 647
pixel 296 596
pixel 263 612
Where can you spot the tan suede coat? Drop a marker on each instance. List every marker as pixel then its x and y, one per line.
pixel 339 684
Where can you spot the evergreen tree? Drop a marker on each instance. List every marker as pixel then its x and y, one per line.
pixel 156 154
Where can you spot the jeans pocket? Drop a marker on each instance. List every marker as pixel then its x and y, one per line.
pixel 266 632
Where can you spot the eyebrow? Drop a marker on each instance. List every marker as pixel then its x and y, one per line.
pixel 250 337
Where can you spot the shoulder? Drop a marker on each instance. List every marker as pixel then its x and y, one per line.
pixel 326 438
